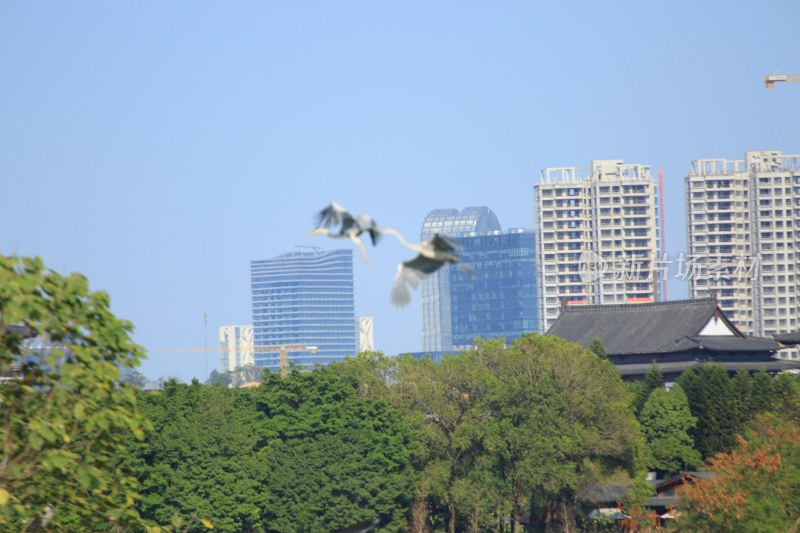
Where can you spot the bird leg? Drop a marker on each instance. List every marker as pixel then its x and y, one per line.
pixel 361 249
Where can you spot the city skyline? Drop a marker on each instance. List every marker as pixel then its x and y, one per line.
pixel 158 149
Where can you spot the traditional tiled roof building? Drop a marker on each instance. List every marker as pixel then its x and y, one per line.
pixel 676 335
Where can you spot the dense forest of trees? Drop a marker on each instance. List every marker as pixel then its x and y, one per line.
pixel 529 436
pixel 535 432
pixel 493 435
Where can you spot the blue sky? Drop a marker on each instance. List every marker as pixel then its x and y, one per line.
pixel 159 147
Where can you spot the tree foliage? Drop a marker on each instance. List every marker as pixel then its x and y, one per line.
pixel 198 462
pixel 541 428
pixel 597 347
pixel 335 451
pixel 445 399
pixel 521 428
pixel 713 401
pixel 315 451
pixel 754 487
pixel 134 377
pixel 653 380
pixel 236 377
pixel 69 411
pixel 666 422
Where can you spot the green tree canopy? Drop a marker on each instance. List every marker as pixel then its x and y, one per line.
pixel 521 428
pixel 597 347
pixel 200 460
pixel 69 411
pixel 334 450
pixel 653 380
pixel 666 422
pixel 445 400
pixel 562 422
pixel 713 401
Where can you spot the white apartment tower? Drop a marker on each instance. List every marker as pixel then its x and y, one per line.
pixel 235 347
pixel 743 234
pixel 598 237
pixel 366 333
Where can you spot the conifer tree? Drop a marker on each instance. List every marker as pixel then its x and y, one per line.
pixel 666 422
pixel 597 347
pixel 763 393
pixel 713 402
pixel 653 380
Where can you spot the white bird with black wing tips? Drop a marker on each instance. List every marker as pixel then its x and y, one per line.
pixel 433 254
pixel 351 227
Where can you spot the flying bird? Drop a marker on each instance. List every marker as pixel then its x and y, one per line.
pixel 351 227
pixel 433 254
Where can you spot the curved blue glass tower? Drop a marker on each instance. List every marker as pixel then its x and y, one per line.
pixel 437 331
pixel 304 298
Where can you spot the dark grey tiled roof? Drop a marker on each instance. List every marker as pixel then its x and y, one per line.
pixel 736 344
pixel 652 328
pixel 772 365
pixel 792 337
pixel 661 501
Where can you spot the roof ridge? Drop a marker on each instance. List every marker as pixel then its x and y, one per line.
pixel 698 302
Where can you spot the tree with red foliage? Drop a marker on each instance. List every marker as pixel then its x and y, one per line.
pixel 753 488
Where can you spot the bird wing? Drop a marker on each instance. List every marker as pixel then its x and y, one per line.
pixel 411 272
pixel 332 215
pixel 367 223
pixel 423 265
pixel 375 236
pixel 349 224
pixel 443 243
pixel 400 295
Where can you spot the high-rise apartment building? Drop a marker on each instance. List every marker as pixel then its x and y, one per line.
pixel 437 334
pixel 598 237
pixel 304 298
pixel 498 299
pixel 743 229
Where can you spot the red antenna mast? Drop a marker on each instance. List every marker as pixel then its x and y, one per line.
pixel 663 227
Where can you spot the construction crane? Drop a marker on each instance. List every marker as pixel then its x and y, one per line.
pixel 772 79
pixel 282 349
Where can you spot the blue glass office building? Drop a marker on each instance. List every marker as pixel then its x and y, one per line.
pixel 435 291
pixel 499 298
pixel 304 298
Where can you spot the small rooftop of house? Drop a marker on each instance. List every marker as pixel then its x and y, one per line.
pixel 656 328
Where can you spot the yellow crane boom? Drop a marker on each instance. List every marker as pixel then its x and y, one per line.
pixel 282 349
pixel 772 79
